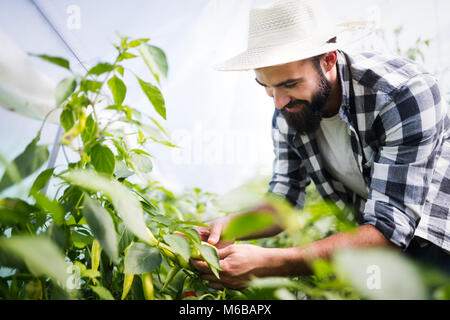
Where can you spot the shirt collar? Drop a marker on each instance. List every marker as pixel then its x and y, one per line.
pixel 344 79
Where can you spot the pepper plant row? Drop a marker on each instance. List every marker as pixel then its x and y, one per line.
pixel 110 232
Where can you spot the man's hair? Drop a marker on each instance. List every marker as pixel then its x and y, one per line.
pixel 316 59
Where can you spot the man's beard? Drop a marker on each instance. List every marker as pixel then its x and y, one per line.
pixel 307 120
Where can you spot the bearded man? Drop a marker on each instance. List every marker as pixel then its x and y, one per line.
pixel 370 130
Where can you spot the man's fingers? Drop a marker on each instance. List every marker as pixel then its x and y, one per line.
pixel 201 266
pixel 203 233
pixel 224 252
pixel 209 277
pixel 215 233
pixel 216 285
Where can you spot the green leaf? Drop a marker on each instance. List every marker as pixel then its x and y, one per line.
pixel 91 273
pixel 196 223
pixel 191 234
pixel 102 226
pixel 30 160
pixel 247 224
pixel 155 59
pixel 322 268
pixel 380 274
pixel 13 210
pixel 66 119
pixel 140 151
pixel 102 159
pixel 142 163
pixel 154 95
pixel 70 198
pixel 272 283
pixel 126 204
pixel 166 143
pixel 442 293
pixel 160 126
pixel 102 292
pixel 137 42
pixel 159 218
pixel 90 85
pixel 64 89
pixel 90 131
pixel 141 137
pixel 120 69
pixel 51 206
pixel 101 68
pixel 118 90
pixel 81 240
pixel 141 258
pixel 41 256
pixel 125 56
pixel 179 245
pixel 121 170
pixel 55 60
pixel 209 253
pixel 41 180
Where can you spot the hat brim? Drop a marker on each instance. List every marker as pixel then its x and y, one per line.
pixel 271 56
pixel 255 58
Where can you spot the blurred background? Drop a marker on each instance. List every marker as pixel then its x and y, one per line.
pixel 221 120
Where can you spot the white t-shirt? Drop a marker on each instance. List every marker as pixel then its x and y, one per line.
pixel 335 147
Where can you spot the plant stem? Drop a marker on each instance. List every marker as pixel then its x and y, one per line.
pixel 94 102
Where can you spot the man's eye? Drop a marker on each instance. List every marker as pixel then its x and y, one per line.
pixel 291 85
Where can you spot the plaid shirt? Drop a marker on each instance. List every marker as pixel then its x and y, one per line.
pixel 400 137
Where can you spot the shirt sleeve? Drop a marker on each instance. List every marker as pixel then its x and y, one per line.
pixel 289 178
pixel 409 132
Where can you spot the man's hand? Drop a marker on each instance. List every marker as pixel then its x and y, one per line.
pixel 212 235
pixel 238 263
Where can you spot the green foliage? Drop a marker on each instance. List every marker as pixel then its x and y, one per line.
pixel 141 259
pixel 155 59
pixel 30 160
pixel 56 60
pixel 154 96
pixel 108 218
pixel 40 254
pixel 413 52
pixel 247 224
pixel 102 226
pixel 64 89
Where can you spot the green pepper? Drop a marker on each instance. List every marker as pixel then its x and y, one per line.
pixel 95 254
pixel 73 132
pixel 127 282
pixel 170 276
pixel 147 286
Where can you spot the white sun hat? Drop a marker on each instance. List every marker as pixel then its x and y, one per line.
pixel 286 31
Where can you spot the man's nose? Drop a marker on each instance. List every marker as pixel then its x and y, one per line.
pixel 280 99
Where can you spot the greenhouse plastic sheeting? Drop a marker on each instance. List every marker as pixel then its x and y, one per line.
pixel 221 120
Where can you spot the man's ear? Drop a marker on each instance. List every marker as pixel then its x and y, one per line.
pixel 329 59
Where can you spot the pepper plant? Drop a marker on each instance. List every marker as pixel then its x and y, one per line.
pixel 111 231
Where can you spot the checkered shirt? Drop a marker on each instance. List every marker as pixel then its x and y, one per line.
pixel 400 137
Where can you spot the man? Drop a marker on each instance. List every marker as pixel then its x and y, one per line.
pixel 370 130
